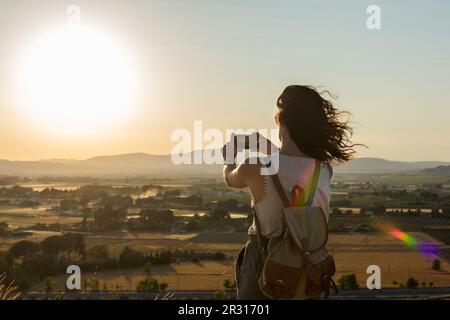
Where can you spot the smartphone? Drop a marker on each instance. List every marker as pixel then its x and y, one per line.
pixel 247 141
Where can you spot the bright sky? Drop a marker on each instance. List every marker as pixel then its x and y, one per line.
pixel 225 62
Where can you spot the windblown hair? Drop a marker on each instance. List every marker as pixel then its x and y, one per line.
pixel 314 124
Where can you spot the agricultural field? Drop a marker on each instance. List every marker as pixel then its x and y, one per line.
pixel 205 275
pixel 195 219
pixel 353 254
pixel 403 179
pixel 25 217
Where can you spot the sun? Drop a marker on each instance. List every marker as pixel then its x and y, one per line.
pixel 76 81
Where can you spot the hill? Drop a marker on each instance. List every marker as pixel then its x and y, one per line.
pixel 378 165
pixel 439 170
pixel 135 164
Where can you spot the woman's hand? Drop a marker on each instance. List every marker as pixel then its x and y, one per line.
pixel 265 145
pixel 229 146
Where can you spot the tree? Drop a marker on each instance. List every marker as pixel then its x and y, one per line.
pixel 74 243
pixel 130 258
pixel 228 284
pixel 93 284
pixel 98 253
pixel 69 243
pixel 192 226
pixel 348 281
pixel 52 246
pixel 163 286
pixel 148 285
pixel 49 284
pixel 87 212
pixel 336 211
pixel 229 204
pixel 437 264
pixel 219 214
pixel 117 201
pixel 379 210
pixel 412 283
pixel 156 219
pixel 40 266
pixel 69 204
pixel 172 193
pixel 83 202
pixel 219 256
pixel 78 244
pixel 435 212
pixel 23 281
pixel 446 210
pixel 23 248
pixel 148 267
pixel 6 264
pixel 107 218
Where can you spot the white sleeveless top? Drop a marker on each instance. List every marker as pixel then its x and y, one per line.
pixel 292 171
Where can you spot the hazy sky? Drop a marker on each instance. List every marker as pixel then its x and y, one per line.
pixel 225 62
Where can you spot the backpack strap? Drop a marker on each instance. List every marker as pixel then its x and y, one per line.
pixel 280 191
pixel 312 191
pixel 286 202
pixel 282 194
pixel 261 240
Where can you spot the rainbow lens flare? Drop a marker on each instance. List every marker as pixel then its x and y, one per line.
pixel 406 238
pixel 428 249
pixel 304 187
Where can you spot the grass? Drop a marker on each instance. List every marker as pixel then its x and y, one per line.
pixel 7 291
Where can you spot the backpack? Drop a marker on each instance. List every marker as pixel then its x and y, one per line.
pixel 297 264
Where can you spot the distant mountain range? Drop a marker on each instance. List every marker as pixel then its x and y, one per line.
pixel 377 165
pixel 439 170
pixel 135 164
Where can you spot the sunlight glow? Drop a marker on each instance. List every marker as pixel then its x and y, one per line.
pixel 76 81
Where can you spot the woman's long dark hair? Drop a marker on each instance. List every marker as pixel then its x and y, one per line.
pixel 314 124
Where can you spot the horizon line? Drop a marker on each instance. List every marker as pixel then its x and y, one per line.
pixel 169 154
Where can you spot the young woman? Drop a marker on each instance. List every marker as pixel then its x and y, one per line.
pixel 310 128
